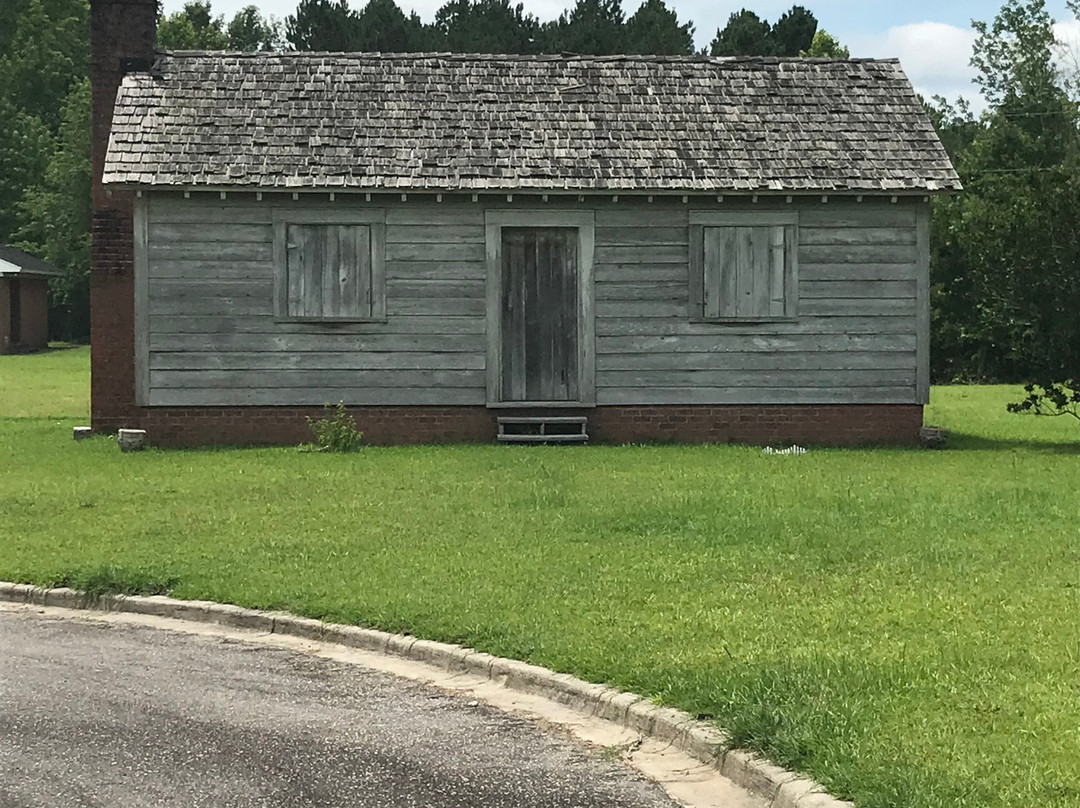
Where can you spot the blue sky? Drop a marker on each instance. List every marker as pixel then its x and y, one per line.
pixel 932 39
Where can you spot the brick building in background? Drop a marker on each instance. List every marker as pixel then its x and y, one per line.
pixel 24 301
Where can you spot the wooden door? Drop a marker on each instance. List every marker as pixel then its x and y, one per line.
pixel 540 306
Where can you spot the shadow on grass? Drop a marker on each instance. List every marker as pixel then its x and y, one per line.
pixel 963 441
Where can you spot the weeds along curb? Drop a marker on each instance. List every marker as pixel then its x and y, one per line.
pixel 778 787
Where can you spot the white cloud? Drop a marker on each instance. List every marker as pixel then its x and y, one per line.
pixel 934 55
pixel 1068 51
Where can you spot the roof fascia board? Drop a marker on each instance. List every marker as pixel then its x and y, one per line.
pixel 522 192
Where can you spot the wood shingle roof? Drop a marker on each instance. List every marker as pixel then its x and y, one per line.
pixel 442 122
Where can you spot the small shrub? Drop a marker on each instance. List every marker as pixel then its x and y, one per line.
pixel 336 432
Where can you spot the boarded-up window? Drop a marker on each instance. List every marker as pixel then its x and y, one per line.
pixel 331 272
pixel 744 270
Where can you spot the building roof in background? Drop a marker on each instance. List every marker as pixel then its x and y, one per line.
pixel 17 262
pixel 440 122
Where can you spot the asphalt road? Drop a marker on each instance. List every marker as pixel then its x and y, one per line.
pixel 112 715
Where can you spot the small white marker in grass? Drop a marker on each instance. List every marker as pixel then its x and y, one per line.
pixel 791 450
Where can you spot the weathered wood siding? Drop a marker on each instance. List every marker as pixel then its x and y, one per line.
pixel 211 337
pixel 854 338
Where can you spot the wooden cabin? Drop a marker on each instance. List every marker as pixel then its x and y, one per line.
pixel 461 247
pixel 24 301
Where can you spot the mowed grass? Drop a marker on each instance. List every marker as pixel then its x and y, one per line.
pixel 52 383
pixel 900 624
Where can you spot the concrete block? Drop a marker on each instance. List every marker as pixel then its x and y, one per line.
pixel 439 654
pixel 819 799
pixel 706 744
pixel 154 605
pixel 479 663
pixel 670 724
pixel 641 716
pixel 226 614
pixel 399 644
pixel 303 627
pixel 791 792
pixel 933 437
pixel 66 598
pixel 131 440
pixel 81 433
pixel 614 707
pixel 15 593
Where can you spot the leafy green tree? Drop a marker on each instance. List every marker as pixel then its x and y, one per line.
pixel 485 26
pixel 745 34
pixel 45 51
pixel 826 46
pixel 249 30
pixel 951 292
pixel 44 64
pixel 594 27
pixel 193 28
pixel 57 216
pixel 794 32
pixel 1012 237
pixel 25 146
pixel 322 25
pixel 655 29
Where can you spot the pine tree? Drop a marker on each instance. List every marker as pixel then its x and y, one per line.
pixel 655 29
pixel 383 27
pixel 794 32
pixel 592 27
pixel 745 34
pixel 322 25
pixel 485 26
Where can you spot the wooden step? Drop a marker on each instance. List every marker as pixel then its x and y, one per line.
pixel 538 429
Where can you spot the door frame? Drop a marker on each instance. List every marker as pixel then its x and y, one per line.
pixel 585 222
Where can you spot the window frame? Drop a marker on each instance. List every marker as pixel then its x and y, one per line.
pixel 701 219
pixel 375 220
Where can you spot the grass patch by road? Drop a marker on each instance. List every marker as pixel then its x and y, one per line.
pixel 899 624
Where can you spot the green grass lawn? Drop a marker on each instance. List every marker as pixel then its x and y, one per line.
pixel 900 624
pixel 53 383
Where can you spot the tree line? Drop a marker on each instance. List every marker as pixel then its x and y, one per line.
pixel 1006 252
pixel 599 27
pixel 1005 293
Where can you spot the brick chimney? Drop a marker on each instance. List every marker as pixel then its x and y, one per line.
pixel 122 36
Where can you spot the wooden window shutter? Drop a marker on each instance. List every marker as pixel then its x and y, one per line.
pixel 746 272
pixel 329 272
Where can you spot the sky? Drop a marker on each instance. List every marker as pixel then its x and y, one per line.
pixel 932 38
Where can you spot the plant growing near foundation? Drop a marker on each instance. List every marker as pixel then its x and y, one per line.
pixel 336 432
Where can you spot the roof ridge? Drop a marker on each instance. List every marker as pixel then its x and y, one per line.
pixel 524 57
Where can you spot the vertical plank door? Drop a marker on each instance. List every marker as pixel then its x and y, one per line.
pixel 540 314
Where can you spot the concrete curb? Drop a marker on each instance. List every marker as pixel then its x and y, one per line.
pixel 778 787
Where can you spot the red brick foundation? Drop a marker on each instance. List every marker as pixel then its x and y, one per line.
pixel 813 424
